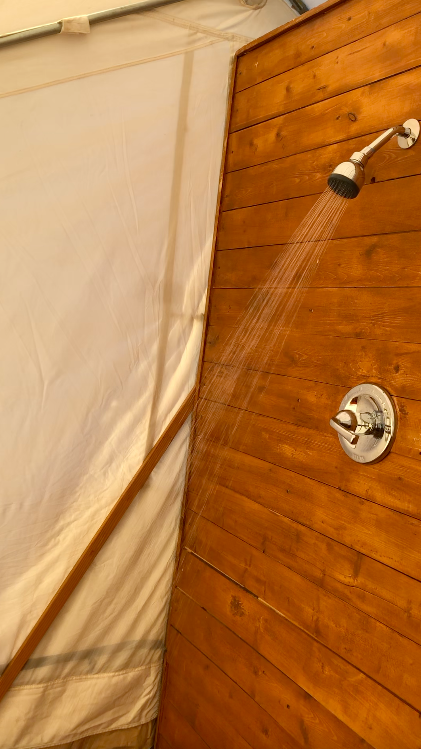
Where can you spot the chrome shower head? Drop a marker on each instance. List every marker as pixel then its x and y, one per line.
pixel 348 177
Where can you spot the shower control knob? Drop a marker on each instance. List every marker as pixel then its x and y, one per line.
pixel 345 423
pixel 366 423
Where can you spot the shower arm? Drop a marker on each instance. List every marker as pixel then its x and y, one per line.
pixel 361 157
pixel 348 178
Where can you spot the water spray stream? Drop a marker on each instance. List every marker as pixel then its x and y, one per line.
pixel 256 339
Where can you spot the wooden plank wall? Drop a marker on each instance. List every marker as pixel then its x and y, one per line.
pixel 296 618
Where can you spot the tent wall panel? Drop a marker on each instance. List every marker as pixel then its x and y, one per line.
pixel 108 187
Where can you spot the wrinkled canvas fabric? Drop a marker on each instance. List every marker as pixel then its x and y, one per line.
pixel 108 181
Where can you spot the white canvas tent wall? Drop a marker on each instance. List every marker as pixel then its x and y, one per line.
pixel 111 147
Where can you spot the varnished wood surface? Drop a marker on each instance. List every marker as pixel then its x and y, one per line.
pixel 180 734
pixel 382 261
pixel 394 483
pixel 308 546
pixel 162 743
pixel 310 722
pixel 369 645
pixel 383 208
pixel 196 699
pixel 373 313
pixel 236 710
pixel 317 36
pixel 349 115
pixel 306 173
pixel 334 360
pixel 276 396
pixel 296 616
pixel 375 714
pixel 387 52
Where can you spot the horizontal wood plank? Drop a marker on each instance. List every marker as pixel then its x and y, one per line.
pixel 179 734
pixel 377 650
pixel 332 359
pixel 374 211
pixel 367 708
pixel 302 716
pixel 384 53
pixel 393 483
pixel 161 743
pixel 372 587
pixel 236 708
pixel 381 260
pixel 344 23
pixel 364 111
pixel 377 532
pixel 306 173
pixel 371 313
pixel 200 707
pixel 301 402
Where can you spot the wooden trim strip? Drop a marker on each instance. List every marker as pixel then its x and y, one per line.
pixel 95 545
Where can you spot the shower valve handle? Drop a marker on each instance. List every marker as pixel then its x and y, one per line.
pixel 345 423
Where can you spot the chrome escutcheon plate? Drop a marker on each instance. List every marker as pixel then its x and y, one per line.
pixel 366 423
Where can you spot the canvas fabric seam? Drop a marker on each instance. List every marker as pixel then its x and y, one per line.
pixel 121 66
pixel 229 36
pixel 86 677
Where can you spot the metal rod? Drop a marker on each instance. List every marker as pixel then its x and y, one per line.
pixel 361 157
pixel 299 6
pixel 37 32
pixel 384 138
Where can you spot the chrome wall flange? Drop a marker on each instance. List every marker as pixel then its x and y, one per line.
pixel 366 423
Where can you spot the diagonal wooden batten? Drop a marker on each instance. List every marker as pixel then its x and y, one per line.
pixel 95 545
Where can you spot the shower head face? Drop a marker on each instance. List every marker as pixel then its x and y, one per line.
pixel 347 179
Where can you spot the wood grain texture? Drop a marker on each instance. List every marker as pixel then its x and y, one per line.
pixel 334 360
pixel 161 743
pixel 179 734
pixel 378 651
pixel 317 35
pixel 346 571
pixel 306 173
pixel 382 261
pixel 362 704
pixel 301 402
pixel 198 707
pixel 384 53
pixel 94 547
pixel 371 313
pixel 361 112
pixel 394 483
pixel 287 27
pixel 236 708
pixel 374 211
pixel 367 528
pixel 302 716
